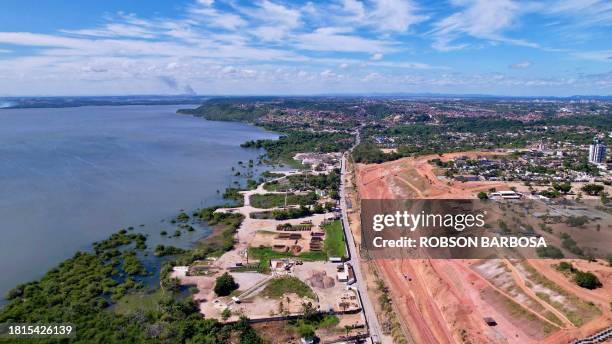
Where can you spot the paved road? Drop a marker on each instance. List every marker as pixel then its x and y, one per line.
pixel 368 308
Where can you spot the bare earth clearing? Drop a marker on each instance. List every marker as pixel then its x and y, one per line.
pixel 445 301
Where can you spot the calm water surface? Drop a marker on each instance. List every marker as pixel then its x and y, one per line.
pixel 72 176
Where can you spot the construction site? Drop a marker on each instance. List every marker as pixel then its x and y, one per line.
pixel 279 266
pixel 470 300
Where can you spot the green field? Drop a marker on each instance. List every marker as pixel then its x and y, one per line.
pixel 265 254
pixel 334 240
pixel 266 201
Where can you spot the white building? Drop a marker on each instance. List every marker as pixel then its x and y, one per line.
pixel 597 152
pixel 505 195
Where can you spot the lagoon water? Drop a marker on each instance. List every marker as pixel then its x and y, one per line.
pixel 72 176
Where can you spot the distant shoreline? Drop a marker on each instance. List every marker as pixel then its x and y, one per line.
pixel 19 102
pixel 95 104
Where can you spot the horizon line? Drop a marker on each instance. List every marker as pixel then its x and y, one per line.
pixel 349 94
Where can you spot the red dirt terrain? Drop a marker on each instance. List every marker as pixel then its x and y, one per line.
pixel 445 301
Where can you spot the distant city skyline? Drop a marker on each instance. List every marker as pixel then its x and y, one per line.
pixel 495 47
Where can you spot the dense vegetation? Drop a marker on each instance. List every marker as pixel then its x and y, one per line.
pixel 220 110
pixel 84 289
pixel 583 279
pixel 222 240
pixel 368 153
pixel 266 201
pixel 549 252
pixel 329 182
pixel 291 213
pixel 302 141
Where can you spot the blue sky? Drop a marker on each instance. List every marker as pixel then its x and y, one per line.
pixel 505 47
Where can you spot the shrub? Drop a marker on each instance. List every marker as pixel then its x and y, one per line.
pixel 549 252
pixel 587 280
pixel 592 189
pixel 225 284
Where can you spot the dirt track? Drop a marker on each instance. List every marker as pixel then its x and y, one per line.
pixel 441 301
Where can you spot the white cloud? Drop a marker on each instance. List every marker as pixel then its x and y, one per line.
pixel 583 12
pixel 596 55
pixel 337 39
pixel 483 19
pixel 310 8
pixel 211 17
pixel 327 73
pixel 270 33
pixel 354 8
pixel 521 65
pixel 395 15
pixel 276 13
pixel 405 65
pixel 388 16
pixel 216 45
pixel 371 76
pixel 115 30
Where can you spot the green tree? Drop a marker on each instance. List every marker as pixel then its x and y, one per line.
pixel 587 280
pixel 592 189
pixel 306 331
pixel 226 314
pixel 564 187
pixel 225 284
pixel 318 209
pixel 309 313
pixel 482 195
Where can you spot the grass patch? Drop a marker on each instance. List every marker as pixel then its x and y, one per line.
pixel 141 301
pixel 267 201
pixel 265 254
pixel 276 185
pixel 329 321
pixel 334 240
pixel 287 284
